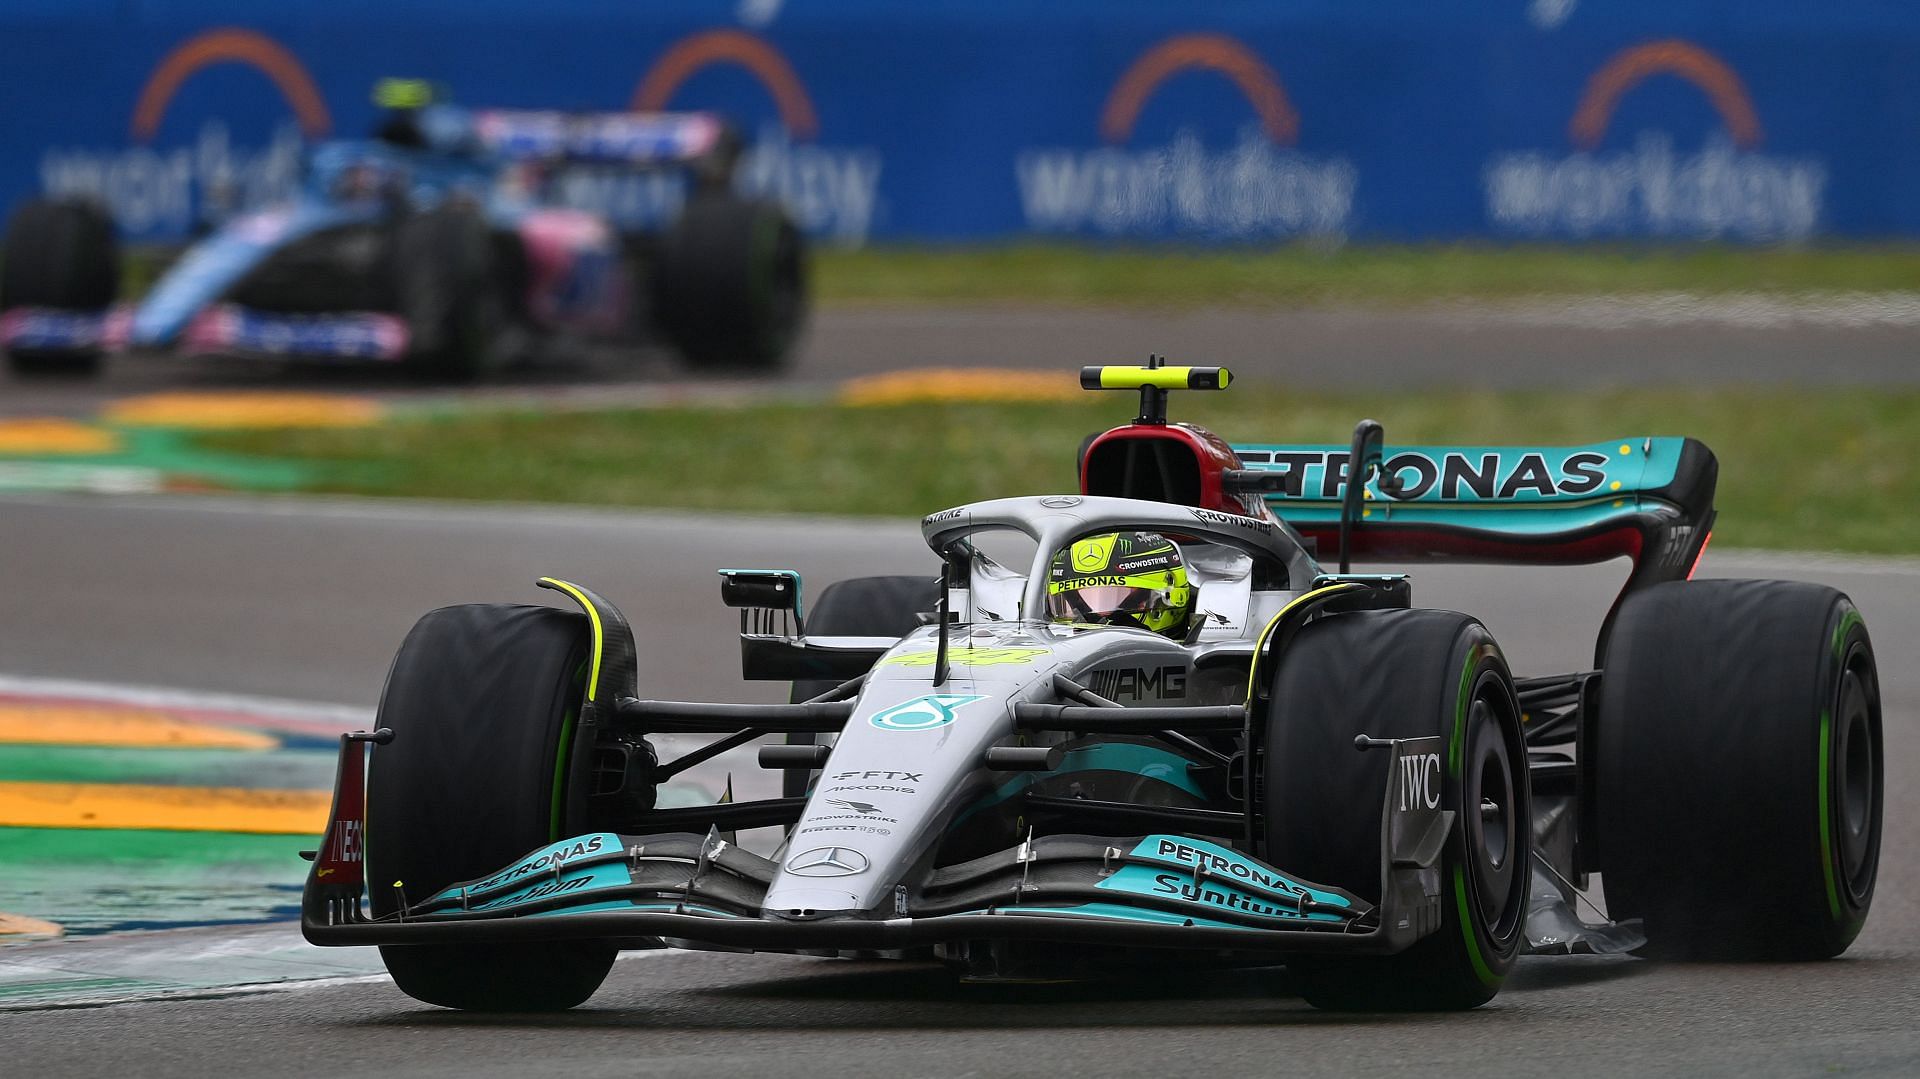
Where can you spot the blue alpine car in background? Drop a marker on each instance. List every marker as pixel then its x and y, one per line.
pixel 444 244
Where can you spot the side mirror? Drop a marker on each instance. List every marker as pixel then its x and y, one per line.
pixel 769 592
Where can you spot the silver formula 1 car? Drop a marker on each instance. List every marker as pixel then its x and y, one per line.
pixel 1163 728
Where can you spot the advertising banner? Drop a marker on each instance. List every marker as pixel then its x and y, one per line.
pixel 1210 121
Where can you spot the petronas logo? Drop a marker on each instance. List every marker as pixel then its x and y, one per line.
pixel 923 713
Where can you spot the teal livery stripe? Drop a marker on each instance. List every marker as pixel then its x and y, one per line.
pixel 1148 761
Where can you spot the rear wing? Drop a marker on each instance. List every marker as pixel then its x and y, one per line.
pixel 1647 499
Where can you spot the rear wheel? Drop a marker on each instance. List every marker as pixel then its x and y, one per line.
pixel 730 284
pixel 1402 674
pixel 59 254
pixel 1738 782
pixel 482 700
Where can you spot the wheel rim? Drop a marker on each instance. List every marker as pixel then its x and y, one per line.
pixel 1491 807
pixel 1856 778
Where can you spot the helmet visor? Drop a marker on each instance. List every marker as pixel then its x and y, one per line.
pixel 1101 603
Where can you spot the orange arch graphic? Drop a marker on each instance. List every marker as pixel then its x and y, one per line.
pixel 1630 67
pixel 695 52
pixel 1208 52
pixel 232 45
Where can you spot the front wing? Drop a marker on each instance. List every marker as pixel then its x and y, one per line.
pixel 1157 890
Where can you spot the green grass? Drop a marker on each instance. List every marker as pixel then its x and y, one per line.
pixel 1304 275
pixel 1828 469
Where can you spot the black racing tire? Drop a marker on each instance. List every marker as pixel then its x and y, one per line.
pixel 730 282
pixel 886 606
pixel 451 292
pixel 481 700
pixel 1738 779
pixel 1402 674
pixel 59 253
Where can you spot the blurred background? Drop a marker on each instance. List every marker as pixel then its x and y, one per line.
pixel 781 275
pixel 885 123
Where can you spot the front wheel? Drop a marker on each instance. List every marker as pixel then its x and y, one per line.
pixel 482 701
pixel 1402 674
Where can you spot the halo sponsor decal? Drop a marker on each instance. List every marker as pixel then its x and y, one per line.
pixel 943 516
pixel 923 713
pixel 969 657
pixel 1235 519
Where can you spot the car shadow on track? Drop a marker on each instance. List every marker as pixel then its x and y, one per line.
pixel 889 996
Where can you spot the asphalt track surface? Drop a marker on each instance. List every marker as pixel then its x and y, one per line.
pixel 299 600
pixel 1632 341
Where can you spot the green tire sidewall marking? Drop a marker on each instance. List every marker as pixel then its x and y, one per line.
pixel 1481 968
pixel 1847 621
pixel 1826 835
pixel 563 751
pixel 1456 744
pixel 569 719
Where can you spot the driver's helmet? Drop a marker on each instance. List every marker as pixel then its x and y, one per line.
pixel 1121 579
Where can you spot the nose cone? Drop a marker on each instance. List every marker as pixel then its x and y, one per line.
pixel 807 902
pixel 823 878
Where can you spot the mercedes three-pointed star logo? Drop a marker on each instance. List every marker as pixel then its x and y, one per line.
pixel 827 862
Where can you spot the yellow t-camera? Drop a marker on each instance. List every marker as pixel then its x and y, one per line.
pixel 1156 378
